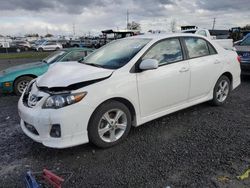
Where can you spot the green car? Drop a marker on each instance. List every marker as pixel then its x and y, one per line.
pixel 15 79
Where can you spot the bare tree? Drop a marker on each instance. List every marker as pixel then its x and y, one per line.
pixel 134 26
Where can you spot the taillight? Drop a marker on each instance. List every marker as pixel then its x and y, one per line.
pixel 238 58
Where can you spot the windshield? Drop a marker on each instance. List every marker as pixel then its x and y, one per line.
pixel 54 57
pixel 116 54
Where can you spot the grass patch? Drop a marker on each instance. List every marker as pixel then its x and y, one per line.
pixel 24 55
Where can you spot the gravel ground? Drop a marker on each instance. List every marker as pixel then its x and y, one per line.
pixel 202 146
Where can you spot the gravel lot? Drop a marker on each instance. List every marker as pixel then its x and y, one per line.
pixel 202 146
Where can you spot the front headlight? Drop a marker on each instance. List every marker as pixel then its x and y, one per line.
pixel 62 100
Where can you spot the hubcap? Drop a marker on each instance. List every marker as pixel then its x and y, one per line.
pixel 112 125
pixel 222 91
pixel 22 85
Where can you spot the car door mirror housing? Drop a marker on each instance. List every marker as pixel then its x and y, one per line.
pixel 149 64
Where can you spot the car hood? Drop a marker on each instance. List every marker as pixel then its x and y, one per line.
pixel 68 73
pixel 22 67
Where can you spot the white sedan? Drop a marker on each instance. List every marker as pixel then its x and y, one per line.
pixel 48 46
pixel 126 83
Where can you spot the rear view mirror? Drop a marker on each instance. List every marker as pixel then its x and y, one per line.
pixel 149 64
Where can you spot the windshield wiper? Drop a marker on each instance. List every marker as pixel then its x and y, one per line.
pixel 93 64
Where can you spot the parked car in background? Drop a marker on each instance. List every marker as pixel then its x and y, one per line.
pixel 16 78
pixel 220 37
pixel 48 46
pixel 127 82
pixel 243 49
pixel 20 45
pixel 189 31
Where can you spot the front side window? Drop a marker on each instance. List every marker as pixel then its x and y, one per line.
pixel 165 52
pixel 116 54
pixel 196 47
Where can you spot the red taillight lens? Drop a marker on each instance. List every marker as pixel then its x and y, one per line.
pixel 238 58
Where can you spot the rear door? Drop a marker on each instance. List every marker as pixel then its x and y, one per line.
pixel 205 66
pixel 168 85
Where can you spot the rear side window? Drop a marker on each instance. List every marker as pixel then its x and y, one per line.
pixel 211 49
pixel 167 51
pixel 246 42
pixel 196 47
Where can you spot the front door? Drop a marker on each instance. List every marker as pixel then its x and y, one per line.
pixel 168 86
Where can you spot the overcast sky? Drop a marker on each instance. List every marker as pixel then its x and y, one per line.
pixel 58 16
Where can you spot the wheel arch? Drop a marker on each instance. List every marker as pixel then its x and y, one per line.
pixel 122 100
pixel 30 75
pixel 230 77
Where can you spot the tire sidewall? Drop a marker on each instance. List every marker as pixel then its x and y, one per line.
pixel 95 119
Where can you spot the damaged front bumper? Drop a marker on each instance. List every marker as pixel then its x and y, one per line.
pixel 39 124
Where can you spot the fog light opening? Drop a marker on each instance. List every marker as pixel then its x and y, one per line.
pixel 55 131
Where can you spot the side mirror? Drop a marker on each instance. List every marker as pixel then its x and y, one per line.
pixel 149 64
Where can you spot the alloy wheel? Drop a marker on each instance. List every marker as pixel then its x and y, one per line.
pixel 22 85
pixel 222 91
pixel 112 125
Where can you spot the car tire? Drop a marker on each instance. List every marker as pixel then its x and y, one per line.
pixel 40 50
pixel 104 130
pixel 57 48
pixel 21 83
pixel 221 92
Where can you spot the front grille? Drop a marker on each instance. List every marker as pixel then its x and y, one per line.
pixel 31 128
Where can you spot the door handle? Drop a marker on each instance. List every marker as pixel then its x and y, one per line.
pixel 183 69
pixel 217 62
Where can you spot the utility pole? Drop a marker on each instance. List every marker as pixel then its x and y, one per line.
pixel 127 18
pixel 214 23
pixel 74 29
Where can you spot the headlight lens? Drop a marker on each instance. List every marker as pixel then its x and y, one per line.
pixel 62 100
